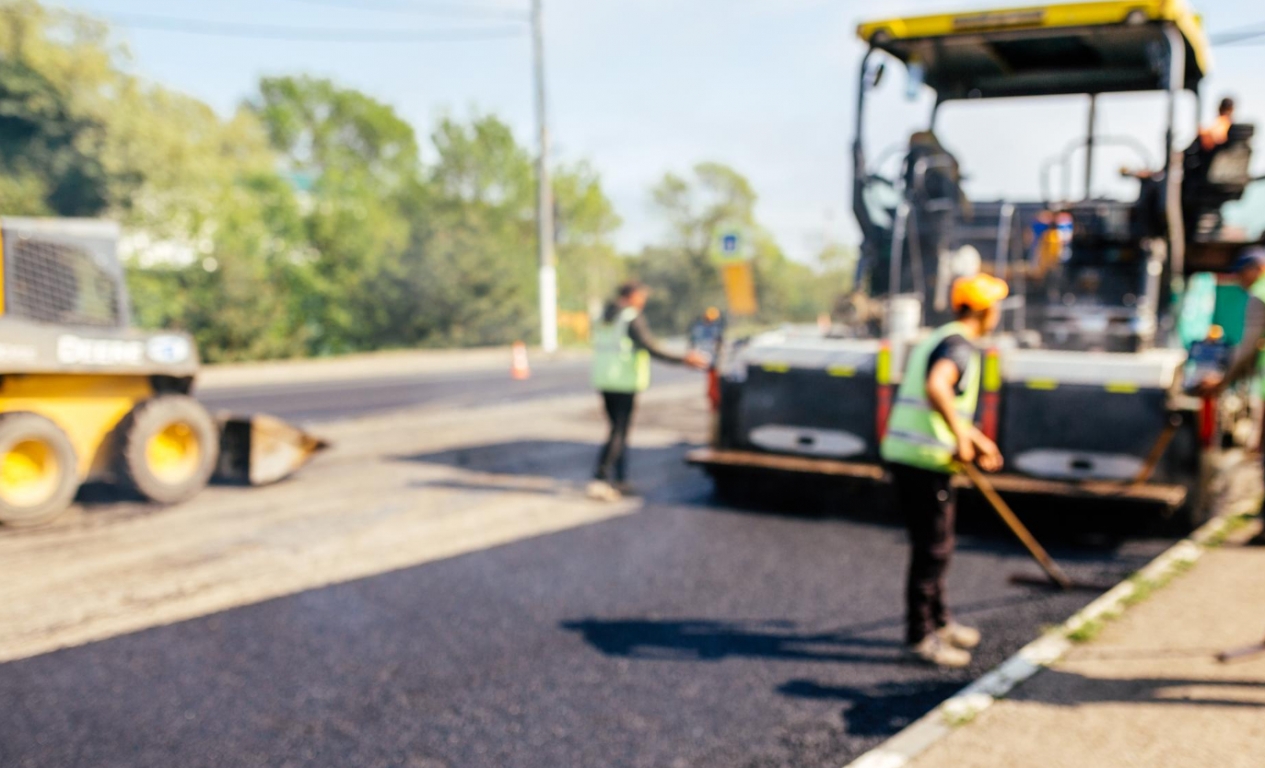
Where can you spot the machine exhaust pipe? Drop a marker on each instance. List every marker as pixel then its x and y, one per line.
pixel 258 450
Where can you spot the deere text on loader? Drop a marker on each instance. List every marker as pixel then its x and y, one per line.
pixel 84 397
pixel 1083 389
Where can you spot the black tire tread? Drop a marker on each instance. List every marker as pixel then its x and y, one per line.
pixel 39 426
pixel 136 428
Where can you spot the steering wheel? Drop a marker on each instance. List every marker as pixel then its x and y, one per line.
pixel 1064 159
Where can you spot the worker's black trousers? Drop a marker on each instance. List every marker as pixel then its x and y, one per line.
pixel 929 504
pixel 612 463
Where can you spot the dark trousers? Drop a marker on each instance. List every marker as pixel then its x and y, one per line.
pixel 612 463
pixel 929 504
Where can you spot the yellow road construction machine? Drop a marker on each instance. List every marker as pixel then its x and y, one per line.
pixel 1113 285
pixel 85 397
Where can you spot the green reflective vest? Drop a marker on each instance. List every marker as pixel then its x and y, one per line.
pixel 1257 291
pixel 618 366
pixel 917 435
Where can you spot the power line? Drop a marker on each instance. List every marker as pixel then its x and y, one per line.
pixel 312 34
pixel 1237 38
pixel 424 8
pixel 1239 34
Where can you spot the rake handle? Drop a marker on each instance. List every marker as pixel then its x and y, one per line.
pixel 1157 451
pixel 1016 527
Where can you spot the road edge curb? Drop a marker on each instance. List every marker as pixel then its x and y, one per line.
pixel 965 705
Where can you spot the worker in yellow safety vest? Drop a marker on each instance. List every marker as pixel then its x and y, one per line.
pixel 622 349
pixel 929 433
pixel 1249 357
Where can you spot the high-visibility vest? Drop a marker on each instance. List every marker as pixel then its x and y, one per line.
pixel 618 366
pixel 1257 291
pixel 917 435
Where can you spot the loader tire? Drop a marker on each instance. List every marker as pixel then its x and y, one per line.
pixel 39 472
pixel 167 448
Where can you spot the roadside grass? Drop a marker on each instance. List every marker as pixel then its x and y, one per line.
pixel 1232 525
pixel 1143 587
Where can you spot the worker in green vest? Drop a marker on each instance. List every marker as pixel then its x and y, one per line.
pixel 930 431
pixel 1249 357
pixel 622 349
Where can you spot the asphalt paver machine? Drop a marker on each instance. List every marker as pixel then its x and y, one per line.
pixel 1083 388
pixel 85 397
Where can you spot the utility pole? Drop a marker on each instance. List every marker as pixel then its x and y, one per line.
pixel 544 195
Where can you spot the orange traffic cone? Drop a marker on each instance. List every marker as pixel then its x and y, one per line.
pixel 520 369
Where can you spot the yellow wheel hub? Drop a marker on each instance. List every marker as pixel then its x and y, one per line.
pixel 174 453
pixel 29 474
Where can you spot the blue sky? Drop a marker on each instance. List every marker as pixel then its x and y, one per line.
pixel 641 87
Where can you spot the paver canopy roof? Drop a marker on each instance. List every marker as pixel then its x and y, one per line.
pixel 1045 50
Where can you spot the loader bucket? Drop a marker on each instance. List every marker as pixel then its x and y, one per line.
pixel 258 450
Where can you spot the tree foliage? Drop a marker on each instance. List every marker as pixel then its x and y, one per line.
pixel 307 223
pixel 680 271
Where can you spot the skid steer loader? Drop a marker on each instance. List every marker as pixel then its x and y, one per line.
pixel 84 397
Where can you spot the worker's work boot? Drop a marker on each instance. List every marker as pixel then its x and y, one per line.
pixel 600 490
pixel 959 635
pixel 935 650
pixel 625 488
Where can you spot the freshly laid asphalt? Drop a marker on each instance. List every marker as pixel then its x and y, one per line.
pixel 687 634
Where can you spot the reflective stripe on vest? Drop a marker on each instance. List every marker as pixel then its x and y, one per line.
pixel 618 366
pixel 917 435
pixel 1257 291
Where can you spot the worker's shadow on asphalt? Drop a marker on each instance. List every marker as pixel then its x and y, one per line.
pixel 878 710
pixel 1071 689
pixel 710 640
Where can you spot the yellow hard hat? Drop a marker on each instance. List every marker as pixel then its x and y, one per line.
pixel 712 314
pixel 978 292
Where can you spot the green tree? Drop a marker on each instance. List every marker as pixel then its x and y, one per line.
pixel 589 265
pixel 303 224
pixel 478 286
pixel 48 143
pixel 360 162
pixel 680 270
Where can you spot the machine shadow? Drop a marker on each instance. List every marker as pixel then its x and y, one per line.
pixel 567 460
pixel 710 640
pixel 1083 523
pixel 656 470
pixel 879 710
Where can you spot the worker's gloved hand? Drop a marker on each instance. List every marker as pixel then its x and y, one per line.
pixel 966 449
pixel 988 455
pixel 1211 386
pixel 696 359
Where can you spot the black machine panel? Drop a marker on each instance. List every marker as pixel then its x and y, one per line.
pixel 816 399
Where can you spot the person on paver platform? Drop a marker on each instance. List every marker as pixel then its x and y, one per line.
pixel 929 432
pixel 1249 357
pixel 622 349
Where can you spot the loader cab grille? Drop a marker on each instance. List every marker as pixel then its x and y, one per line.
pixel 62 280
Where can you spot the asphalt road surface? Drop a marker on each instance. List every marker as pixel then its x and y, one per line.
pixel 685 633
pixel 313 402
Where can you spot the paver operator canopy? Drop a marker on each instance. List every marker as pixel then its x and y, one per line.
pixel 1126 255
pixel 1100 47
